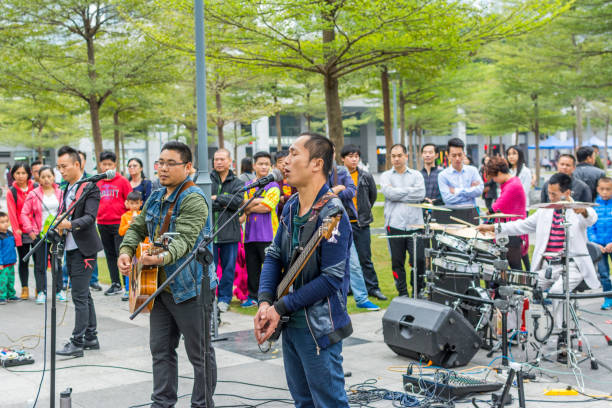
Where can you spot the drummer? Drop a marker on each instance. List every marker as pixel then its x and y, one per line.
pixel 546 223
pixel 511 201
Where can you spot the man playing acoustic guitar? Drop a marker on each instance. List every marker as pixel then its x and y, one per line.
pixel 178 207
pixel 315 309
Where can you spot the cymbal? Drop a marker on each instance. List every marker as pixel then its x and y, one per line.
pixel 470 233
pixel 564 204
pixel 436 227
pixel 497 215
pixel 428 206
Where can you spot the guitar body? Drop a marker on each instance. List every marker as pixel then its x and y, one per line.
pixel 143 278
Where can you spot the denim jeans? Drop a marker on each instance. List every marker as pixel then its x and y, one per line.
pixel 603 268
pixel 358 286
pixel 315 378
pixel 361 236
pixel 226 255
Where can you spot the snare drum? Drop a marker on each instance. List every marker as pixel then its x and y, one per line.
pixel 486 247
pixel 453 264
pixel 521 278
pixel 452 243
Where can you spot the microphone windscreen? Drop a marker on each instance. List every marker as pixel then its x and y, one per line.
pixel 110 174
pixel 278 176
pixel 505 291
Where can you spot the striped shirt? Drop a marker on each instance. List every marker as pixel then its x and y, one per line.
pixel 556 239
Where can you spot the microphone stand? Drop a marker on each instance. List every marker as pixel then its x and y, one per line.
pixel 203 256
pixel 57 249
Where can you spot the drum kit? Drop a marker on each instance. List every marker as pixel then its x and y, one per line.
pixel 460 260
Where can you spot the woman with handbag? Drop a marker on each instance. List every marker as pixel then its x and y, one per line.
pixel 38 212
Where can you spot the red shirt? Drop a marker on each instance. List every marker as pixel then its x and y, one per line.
pixel 112 199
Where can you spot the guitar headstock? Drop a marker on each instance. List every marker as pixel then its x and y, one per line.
pixel 330 223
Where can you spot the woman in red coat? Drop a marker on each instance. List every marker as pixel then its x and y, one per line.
pixel 15 198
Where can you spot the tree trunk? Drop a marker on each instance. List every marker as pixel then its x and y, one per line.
pixel 122 149
pixel 402 113
pixel 116 134
pixel 578 137
pixel 308 122
pixel 94 114
pixel 606 130
pixel 419 133
pixel 279 145
pixel 516 137
pixel 236 142
pixel 220 121
pixel 332 96
pixel 384 84
pixel 536 132
pixel 39 149
pixel 334 113
pixel 411 158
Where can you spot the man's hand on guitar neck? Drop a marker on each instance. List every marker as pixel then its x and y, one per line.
pixel 266 321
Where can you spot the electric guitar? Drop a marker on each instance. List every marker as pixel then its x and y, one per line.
pixel 326 230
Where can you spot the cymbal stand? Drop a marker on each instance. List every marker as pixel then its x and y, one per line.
pixel 426 235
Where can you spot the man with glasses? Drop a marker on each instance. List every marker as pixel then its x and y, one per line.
pixel 178 207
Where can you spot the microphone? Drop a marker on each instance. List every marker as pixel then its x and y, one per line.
pixel 509 291
pixel 264 181
pixel 107 175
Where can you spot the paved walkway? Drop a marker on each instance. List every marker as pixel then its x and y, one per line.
pixel 97 381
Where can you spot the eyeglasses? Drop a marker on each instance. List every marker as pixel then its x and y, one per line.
pixel 169 164
pixel 135 166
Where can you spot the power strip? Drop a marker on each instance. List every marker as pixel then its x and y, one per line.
pixel 12 358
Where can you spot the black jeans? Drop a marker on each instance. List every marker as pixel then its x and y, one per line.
pixel 362 239
pixel 168 321
pixel 398 248
pixel 255 253
pixel 111 240
pixel 24 273
pixel 80 270
pixel 513 255
pixel 41 260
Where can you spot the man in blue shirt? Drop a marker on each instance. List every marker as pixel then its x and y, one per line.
pixel 460 184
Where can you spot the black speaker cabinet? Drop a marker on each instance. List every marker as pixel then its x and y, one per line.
pixel 424 330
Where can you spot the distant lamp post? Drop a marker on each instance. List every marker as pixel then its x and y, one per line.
pixel 202 164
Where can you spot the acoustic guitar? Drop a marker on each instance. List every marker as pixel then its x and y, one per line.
pixel 326 230
pixel 143 278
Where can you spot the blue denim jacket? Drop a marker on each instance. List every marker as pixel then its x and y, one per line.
pixel 325 277
pixel 188 282
pixel 601 231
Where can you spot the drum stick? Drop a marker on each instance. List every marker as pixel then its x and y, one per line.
pixel 459 220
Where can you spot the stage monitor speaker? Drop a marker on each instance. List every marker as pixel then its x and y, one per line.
pixel 424 330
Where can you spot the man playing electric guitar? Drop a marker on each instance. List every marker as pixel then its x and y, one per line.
pixel 178 207
pixel 316 306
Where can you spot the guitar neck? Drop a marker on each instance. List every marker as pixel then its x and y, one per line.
pixel 298 265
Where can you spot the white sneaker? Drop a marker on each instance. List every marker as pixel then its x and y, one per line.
pixel 61 296
pixel 223 307
pixel 41 298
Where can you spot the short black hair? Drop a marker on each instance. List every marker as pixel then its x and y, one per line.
pixel 246 165
pixel 134 196
pixel 595 147
pixel 569 156
pixel 563 180
pixel 21 165
pixel 349 149
pixel 74 155
pixel 108 155
pixel 82 153
pixel 259 155
pixel 45 168
pixel 455 142
pixel 429 144
pixel 320 147
pixel 604 179
pixel 584 152
pixel 183 150
pixel 35 163
pixel 280 155
pixel 3 214
pixel 400 145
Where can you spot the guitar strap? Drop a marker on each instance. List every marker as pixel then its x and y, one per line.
pixel 168 216
pixel 311 225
